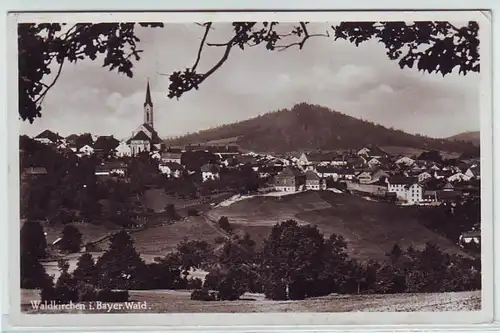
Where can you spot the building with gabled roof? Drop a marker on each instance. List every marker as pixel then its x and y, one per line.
pixel 290 179
pixel 48 137
pixel 145 137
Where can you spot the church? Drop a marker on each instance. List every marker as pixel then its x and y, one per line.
pixel 145 138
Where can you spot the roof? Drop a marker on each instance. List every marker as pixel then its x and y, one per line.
pixel 35 171
pixel 141 136
pixel 209 168
pixel 448 194
pixel 321 156
pixel 172 166
pixel 401 180
pixel 290 172
pixel 148 100
pixel 471 234
pixel 48 134
pixel 310 175
pixel 106 143
pixel 169 155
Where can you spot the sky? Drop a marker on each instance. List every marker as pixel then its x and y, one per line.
pixel 358 81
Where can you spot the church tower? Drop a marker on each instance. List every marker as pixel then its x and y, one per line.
pixel 148 108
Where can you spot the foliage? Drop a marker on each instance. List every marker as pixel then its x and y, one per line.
pixel 203 295
pixel 33 240
pixel 120 267
pixel 292 255
pixel 194 254
pixel 71 239
pixel 86 270
pixel 225 225
pixel 43 47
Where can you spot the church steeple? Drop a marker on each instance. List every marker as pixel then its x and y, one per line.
pixel 148 107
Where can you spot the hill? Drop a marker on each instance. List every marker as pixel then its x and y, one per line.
pixel 473 137
pixel 307 127
pixel 370 228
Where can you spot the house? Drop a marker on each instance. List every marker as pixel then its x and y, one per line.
pixel 313 182
pixel 35 171
pixel 123 149
pixel 113 168
pixel 423 176
pixel 378 175
pixel 414 193
pixel 363 152
pixel 364 177
pixel 209 172
pixel 289 180
pixel 471 237
pixel 48 137
pixel 170 169
pixel 106 145
pixel 458 177
pixel 168 157
pixel 374 162
pixel 405 161
pixel 86 150
pixel 399 185
pixel 473 172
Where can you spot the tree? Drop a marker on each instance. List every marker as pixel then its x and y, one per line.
pixel 120 267
pixel 194 254
pixel 86 270
pixel 65 289
pixel 292 258
pixel 438 47
pixel 41 46
pixel 33 241
pixel 225 225
pixel 71 239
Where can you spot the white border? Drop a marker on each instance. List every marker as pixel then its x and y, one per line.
pixel 254 321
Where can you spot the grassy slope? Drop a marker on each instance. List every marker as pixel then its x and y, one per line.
pixel 170 301
pixel 163 239
pixel 370 228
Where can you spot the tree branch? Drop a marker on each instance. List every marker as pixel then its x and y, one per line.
pixel 40 98
pixel 304 40
pixel 207 25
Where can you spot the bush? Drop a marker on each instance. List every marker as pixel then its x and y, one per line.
pixel 204 295
pixel 108 295
pixel 86 292
pixel 194 283
pixel 193 212
pixel 225 225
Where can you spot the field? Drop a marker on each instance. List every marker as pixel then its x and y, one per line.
pixel 370 228
pixel 175 301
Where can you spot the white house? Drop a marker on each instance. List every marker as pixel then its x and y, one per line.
pixel 473 237
pixel 399 185
pixel 123 149
pixel 170 169
pixel 86 150
pixel 423 176
pixel 405 161
pixel 364 177
pixel 414 193
pixel 168 157
pixel 458 177
pixel 473 172
pixel 209 171
pixel 374 162
pixel 363 152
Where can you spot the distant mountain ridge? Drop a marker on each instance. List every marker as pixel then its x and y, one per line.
pixel 470 136
pixel 309 127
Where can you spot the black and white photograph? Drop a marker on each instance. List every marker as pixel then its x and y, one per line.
pixel 235 166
